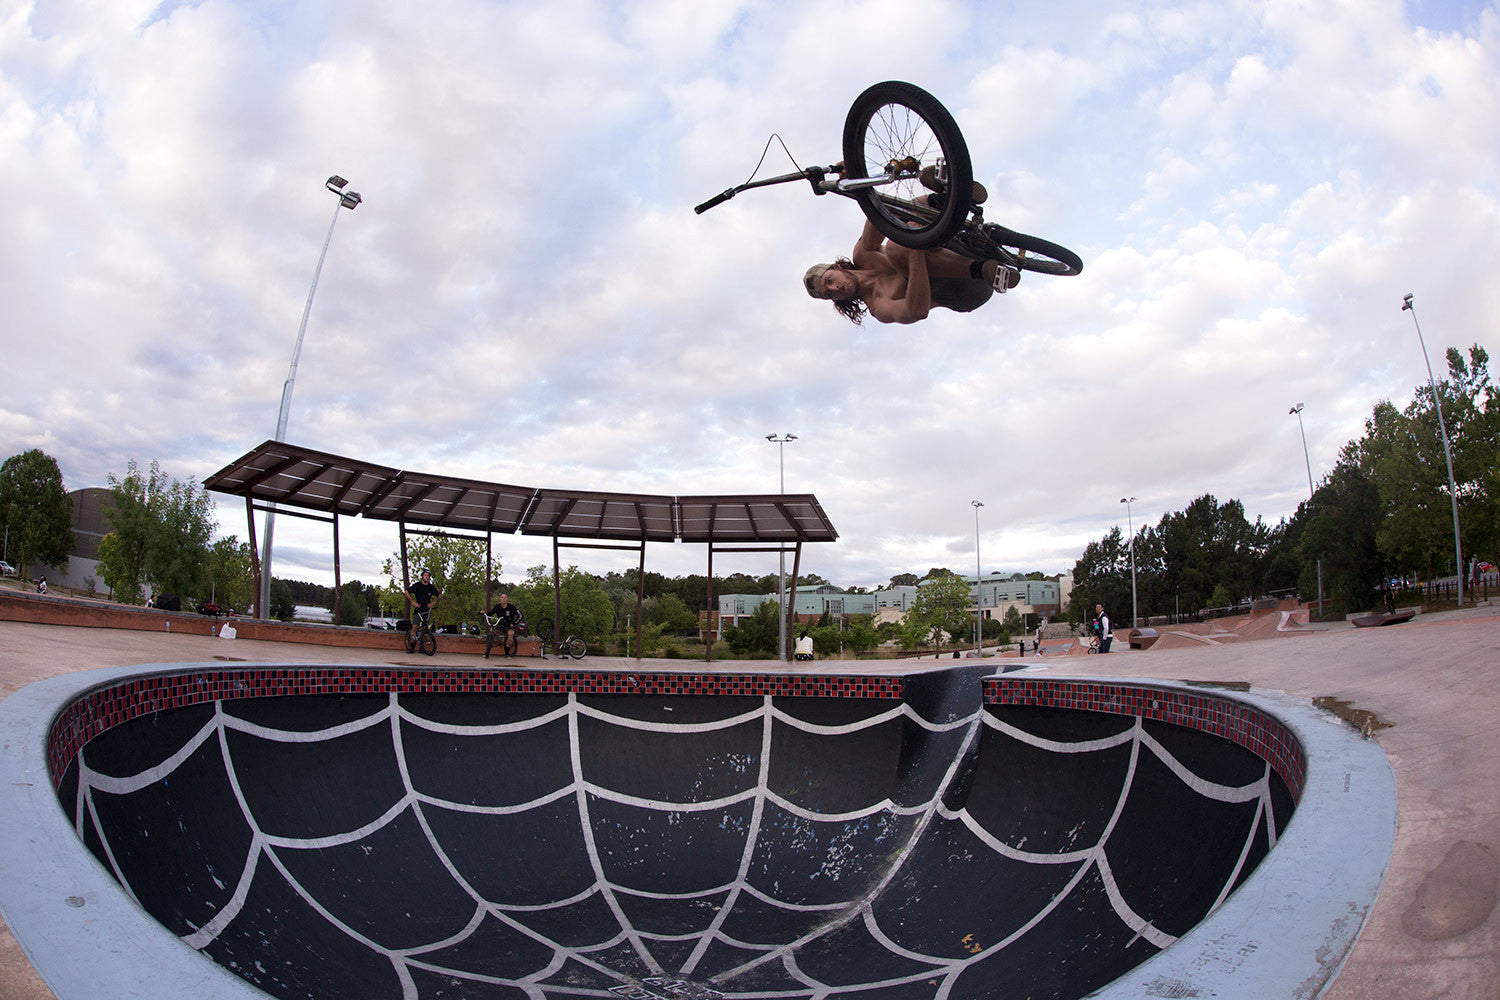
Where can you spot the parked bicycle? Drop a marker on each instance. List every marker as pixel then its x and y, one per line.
pixel 419 634
pixel 563 647
pixel 894 132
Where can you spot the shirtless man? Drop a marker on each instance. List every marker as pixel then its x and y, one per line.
pixel 899 285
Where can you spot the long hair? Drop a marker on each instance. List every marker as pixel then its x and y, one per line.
pixel 854 308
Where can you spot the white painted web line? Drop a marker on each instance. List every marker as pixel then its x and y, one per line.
pixel 856 908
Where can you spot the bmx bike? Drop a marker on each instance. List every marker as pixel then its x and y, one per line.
pixel 893 133
pixel 419 634
pixel 563 647
pixel 494 635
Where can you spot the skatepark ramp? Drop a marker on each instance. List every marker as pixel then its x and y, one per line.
pixel 431 833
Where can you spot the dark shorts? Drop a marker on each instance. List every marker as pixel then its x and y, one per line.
pixel 961 294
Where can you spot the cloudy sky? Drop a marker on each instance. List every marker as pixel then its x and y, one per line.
pixel 525 295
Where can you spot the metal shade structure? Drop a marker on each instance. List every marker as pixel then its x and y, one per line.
pixel 302 482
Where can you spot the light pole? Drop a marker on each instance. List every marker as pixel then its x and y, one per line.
pixel 1458 552
pixel 1130 521
pixel 1308 462
pixel 780 443
pixel 349 200
pixel 978 586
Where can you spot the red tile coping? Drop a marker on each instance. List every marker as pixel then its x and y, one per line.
pixel 1257 731
pixel 93 713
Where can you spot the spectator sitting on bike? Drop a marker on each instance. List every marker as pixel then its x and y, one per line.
pixel 507 620
pixel 899 285
pixel 425 596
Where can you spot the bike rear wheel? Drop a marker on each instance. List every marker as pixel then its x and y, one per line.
pixel 891 121
pixel 1030 253
pixel 574 647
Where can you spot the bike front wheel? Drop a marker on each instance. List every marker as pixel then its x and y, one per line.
pixel 427 645
pixel 895 122
pixel 1029 253
pixel 574 647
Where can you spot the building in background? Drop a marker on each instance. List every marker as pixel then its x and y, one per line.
pixel 996 592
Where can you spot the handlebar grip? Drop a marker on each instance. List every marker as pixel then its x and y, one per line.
pixel 717 199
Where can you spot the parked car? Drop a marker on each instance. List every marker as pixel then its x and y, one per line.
pixel 6 569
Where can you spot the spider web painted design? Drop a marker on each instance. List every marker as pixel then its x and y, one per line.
pixel 599 846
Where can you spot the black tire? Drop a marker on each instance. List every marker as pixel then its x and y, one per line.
pixel 544 630
pixel 489 642
pixel 411 644
pixel 574 647
pixel 893 120
pixel 427 644
pixel 992 242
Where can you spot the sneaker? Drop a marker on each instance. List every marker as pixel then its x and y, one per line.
pixel 1002 277
pixel 930 181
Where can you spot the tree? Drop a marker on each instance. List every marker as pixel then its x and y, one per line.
pixel 1402 453
pixel 457 568
pixel 35 510
pixel 282 604
pixel 1012 620
pixel 231 582
pixel 903 580
pixel 943 603
pixel 860 635
pixel 757 634
pixel 159 535
pixel 356 600
pixel 671 614
pixel 587 611
pixel 1341 522
pixel 1101 576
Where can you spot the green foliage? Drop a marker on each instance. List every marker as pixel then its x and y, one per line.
pixel 756 635
pixel 1385 509
pixel 159 535
pixel 35 510
pixel 670 613
pixel 859 634
pixel 457 568
pixel 1012 619
pixel 356 601
pixel 231 580
pixel 943 604
pixel 587 611
pixel 282 604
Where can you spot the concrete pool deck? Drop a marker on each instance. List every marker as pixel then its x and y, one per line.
pixel 1432 932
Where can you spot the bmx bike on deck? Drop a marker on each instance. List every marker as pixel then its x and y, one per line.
pixel 892 133
pixel 419 635
pixel 563 646
pixel 495 635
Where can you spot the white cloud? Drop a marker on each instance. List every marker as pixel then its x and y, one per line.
pixel 525 294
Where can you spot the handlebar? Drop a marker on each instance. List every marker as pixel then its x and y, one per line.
pixel 814 175
pixel 717 199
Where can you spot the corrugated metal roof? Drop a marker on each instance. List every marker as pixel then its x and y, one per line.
pixel 292 476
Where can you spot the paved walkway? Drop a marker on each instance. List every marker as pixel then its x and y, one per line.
pixel 1433 932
